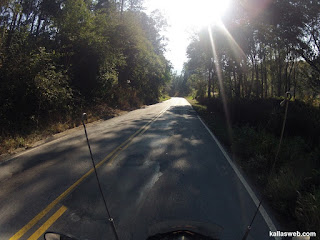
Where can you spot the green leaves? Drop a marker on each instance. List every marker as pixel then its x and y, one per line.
pixel 75 20
pixel 259 50
pixel 55 54
pixel 50 86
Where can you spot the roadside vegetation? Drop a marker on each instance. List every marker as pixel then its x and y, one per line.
pixel 237 74
pixel 60 58
pixel 293 188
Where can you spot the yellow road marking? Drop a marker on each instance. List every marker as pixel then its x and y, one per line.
pixel 47 224
pixel 121 147
pixel 145 128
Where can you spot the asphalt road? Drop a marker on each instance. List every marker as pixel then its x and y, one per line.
pixel 157 164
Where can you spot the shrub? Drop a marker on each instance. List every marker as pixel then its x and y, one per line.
pixel 251 144
pixel 282 189
pixel 307 210
pixel 293 188
pixel 302 120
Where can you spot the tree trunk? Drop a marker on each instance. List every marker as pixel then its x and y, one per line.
pixel 19 20
pixel 122 3
pixel 33 22
pixel 294 83
pixel 265 77
pixel 230 85
pixel 289 77
pixel 262 78
pixel 239 84
pixel 279 93
pixel 257 80
pixel 244 86
pixel 252 77
pixel 38 26
pixel 13 22
pixel 212 83
pixel 209 84
pixel 286 77
pixel 235 82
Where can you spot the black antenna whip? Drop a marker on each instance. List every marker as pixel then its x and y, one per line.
pixel 286 103
pixel 84 117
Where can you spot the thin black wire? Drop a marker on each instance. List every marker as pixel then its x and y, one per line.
pixel 103 198
pixel 250 225
pixel 282 131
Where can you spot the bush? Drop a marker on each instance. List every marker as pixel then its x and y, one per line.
pixel 282 189
pixel 307 210
pixel 303 120
pixel 256 148
pixel 293 188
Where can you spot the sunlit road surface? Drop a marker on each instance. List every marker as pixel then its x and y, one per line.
pixel 158 164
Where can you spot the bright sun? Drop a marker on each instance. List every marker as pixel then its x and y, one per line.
pixel 183 17
pixel 192 13
pixel 202 12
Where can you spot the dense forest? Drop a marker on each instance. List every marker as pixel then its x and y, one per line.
pixel 240 70
pixel 61 57
pixel 261 49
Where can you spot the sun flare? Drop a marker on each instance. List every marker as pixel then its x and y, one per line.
pixel 201 13
pixel 191 13
pixel 183 17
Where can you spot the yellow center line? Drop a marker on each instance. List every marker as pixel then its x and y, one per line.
pixel 117 150
pixel 143 130
pixel 37 234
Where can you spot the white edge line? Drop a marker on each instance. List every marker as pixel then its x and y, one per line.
pixel 262 211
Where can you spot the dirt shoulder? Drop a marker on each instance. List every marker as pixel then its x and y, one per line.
pixel 13 145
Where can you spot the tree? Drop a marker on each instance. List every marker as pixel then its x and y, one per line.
pixel 257 48
pixel 56 54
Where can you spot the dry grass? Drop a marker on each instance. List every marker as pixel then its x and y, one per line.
pixel 13 144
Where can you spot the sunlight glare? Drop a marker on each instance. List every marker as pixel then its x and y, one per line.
pixel 204 12
pixel 184 17
pixel 222 92
pixel 192 13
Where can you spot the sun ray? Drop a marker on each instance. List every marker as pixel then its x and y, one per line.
pixel 237 50
pixel 219 75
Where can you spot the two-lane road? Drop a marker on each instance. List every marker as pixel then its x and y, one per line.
pixel 157 164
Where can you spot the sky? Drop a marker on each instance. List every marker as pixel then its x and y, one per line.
pixel 177 32
pixel 184 17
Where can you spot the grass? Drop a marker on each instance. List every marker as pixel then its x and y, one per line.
pixel 27 138
pixel 213 120
pixel 11 143
pixel 293 188
pixel 31 132
pixel 164 97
